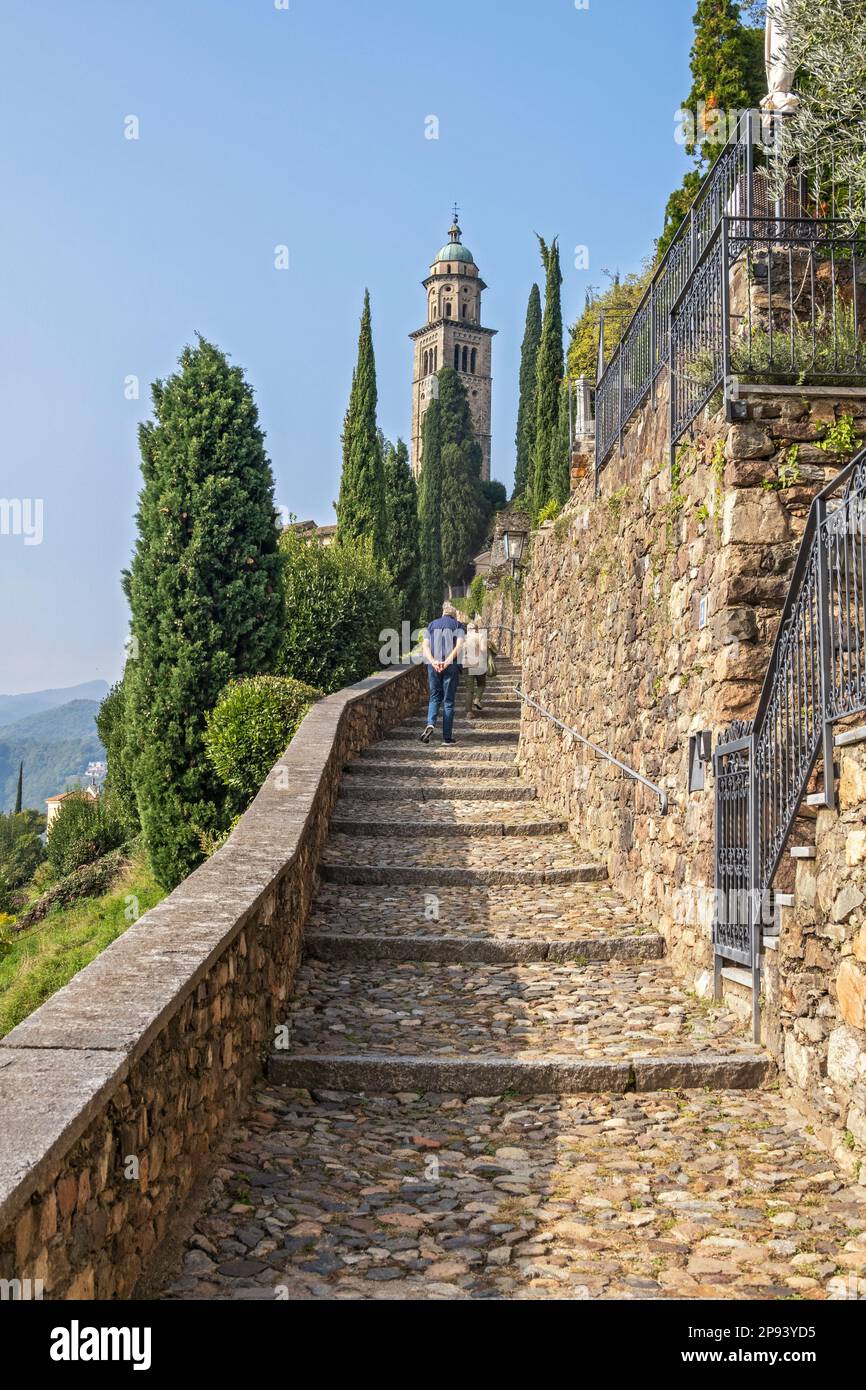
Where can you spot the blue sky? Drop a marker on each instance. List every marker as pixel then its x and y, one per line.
pixel 305 127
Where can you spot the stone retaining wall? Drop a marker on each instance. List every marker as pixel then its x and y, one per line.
pixel 647 615
pixel 114 1092
pixel 502 618
pixel 815 979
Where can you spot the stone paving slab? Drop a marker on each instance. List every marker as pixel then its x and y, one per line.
pixel 406 819
pixel 587 913
pixel 486 854
pixel 674 1195
pixel 609 1011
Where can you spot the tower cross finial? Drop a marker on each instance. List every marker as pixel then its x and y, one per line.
pixel 456 214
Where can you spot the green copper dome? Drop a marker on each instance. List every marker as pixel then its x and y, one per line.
pixel 453 250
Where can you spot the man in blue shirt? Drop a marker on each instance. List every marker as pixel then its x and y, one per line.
pixel 443 643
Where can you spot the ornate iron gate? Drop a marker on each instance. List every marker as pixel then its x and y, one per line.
pixel 816 676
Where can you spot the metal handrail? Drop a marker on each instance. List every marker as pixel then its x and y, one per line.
pixel 602 752
pixel 816 676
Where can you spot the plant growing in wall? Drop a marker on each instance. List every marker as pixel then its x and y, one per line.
pixel 787 473
pixel 840 440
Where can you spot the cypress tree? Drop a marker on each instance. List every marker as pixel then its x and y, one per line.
pixel 559 468
pixel 19 795
pixel 462 515
pixel 361 505
pixel 726 77
pixel 205 596
pixel 525 434
pixel 430 511
pixel 548 390
pixel 402 549
pixel 463 506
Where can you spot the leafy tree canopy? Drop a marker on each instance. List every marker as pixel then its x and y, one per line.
pixel 338 600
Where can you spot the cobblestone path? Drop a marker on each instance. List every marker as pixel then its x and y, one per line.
pixel 495 1087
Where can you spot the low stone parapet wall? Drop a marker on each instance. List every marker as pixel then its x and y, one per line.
pixel 114 1093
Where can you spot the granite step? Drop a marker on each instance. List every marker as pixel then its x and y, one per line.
pixel 456 950
pixel 505 729
pixel 431 772
pixel 464 732
pixel 492 706
pixel 421 876
pixel 454 859
pixel 435 752
pixel 497 1076
pixel 427 789
pixel 405 819
pixel 480 1028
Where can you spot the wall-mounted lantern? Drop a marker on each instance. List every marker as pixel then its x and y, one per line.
pixel 513 546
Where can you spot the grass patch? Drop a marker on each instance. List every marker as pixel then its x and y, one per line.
pixel 38 961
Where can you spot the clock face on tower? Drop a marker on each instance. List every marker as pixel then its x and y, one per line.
pixel 453 337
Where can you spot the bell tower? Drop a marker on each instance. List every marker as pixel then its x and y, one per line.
pixel 453 337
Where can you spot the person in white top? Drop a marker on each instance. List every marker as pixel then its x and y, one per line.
pixel 477 662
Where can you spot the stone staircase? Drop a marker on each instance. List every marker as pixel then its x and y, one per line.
pixel 469 1103
pixel 461 942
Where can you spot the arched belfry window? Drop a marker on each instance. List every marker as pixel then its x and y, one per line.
pixel 435 358
pixel 474 355
pixel 463 308
pixel 456 358
pixel 466 359
pixel 448 310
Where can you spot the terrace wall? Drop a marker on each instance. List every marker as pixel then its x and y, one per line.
pixel 648 615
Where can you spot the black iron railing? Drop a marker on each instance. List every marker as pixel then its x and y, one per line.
pixel 816 676
pixel 645 346
pixel 771 302
pixel 737 228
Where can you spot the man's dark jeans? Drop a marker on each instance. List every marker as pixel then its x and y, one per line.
pixel 443 691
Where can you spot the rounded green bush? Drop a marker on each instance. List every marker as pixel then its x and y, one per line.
pixel 250 727
pixel 84 829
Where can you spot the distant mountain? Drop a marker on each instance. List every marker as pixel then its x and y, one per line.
pixel 15 707
pixel 56 744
